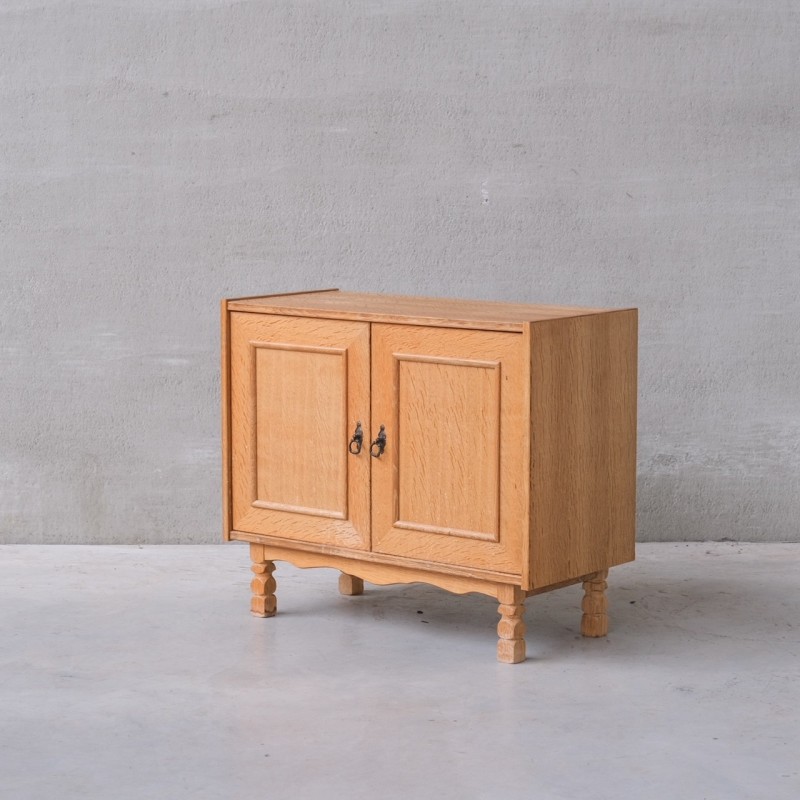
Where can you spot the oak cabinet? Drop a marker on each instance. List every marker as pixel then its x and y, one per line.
pixel 475 446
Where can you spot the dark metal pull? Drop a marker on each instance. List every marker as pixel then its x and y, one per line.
pixel 357 440
pixel 380 443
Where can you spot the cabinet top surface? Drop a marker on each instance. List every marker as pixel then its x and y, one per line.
pixel 442 312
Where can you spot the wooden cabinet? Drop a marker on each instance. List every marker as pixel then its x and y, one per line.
pixel 476 446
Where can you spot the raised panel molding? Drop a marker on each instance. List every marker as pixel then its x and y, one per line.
pixel 298 432
pixel 448 437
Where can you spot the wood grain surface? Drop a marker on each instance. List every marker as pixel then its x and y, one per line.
pixel 437 312
pixel 381 573
pixel 511 627
pixel 452 484
pixel 298 387
pixel 418 565
pixel 583 416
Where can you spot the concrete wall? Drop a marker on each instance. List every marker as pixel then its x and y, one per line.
pixel 156 155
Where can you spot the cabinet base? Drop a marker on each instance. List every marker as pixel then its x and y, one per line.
pixel 511 598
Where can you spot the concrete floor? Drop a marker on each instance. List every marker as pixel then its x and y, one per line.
pixel 137 672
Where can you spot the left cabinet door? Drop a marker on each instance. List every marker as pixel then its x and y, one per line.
pixel 298 387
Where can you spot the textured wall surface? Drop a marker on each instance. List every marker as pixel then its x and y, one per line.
pixel 156 155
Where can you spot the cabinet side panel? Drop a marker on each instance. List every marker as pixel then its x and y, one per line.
pixel 527 433
pixel 583 409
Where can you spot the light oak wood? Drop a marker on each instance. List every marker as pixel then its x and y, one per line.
pixel 437 312
pixel 583 416
pixel 225 385
pixel 350 585
pixel 511 628
pixel 449 487
pixel 510 458
pixel 247 298
pixel 298 387
pixel 595 605
pixel 263 602
pixel 225 388
pixel 448 411
pixel 425 567
pixel 551 587
pixel 301 464
pixel 379 573
pixel 526 452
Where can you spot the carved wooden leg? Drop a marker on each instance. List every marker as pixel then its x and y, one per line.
pixel 263 602
pixel 595 605
pixel 511 628
pixel 350 584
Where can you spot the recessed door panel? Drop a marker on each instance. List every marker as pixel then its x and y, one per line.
pixel 450 485
pixel 298 388
pixel 448 479
pixel 301 397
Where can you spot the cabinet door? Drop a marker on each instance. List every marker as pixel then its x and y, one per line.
pixel 298 388
pixel 451 485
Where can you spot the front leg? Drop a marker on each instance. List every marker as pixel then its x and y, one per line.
pixel 263 602
pixel 595 605
pixel 511 628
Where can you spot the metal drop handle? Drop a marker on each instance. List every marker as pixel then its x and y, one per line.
pixel 357 440
pixel 379 443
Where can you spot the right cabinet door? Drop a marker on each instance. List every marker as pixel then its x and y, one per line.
pixel 451 486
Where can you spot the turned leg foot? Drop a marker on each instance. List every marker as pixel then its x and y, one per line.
pixel 511 628
pixel 595 605
pixel 263 602
pixel 350 584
